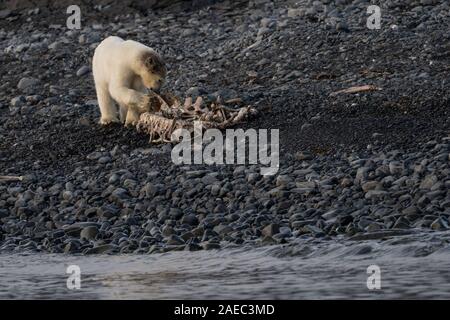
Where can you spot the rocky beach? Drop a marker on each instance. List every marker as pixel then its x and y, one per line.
pixel 353 166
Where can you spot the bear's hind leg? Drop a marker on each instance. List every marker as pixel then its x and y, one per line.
pixel 108 108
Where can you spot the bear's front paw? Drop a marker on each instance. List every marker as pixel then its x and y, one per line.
pixel 131 123
pixel 144 103
pixel 132 118
pixel 106 121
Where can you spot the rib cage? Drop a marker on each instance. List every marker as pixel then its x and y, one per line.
pixel 171 115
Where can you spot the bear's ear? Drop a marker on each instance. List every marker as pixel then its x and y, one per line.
pixel 150 62
pixel 154 64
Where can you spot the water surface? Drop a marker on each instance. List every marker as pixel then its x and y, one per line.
pixel 412 266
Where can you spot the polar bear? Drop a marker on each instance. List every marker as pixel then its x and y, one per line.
pixel 123 72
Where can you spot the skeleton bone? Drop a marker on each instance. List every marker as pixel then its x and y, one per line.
pixel 11 178
pixel 170 114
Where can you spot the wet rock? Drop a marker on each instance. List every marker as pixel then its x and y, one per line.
pixel 428 182
pixel 295 12
pixel 94 155
pixel 439 224
pixel 268 240
pixel 102 249
pixel 167 231
pixel 119 194
pixel 88 233
pixel 371 185
pixel 72 247
pixel 283 180
pixel 210 245
pixel 28 85
pixel 411 210
pixel 303 155
pixel 401 223
pixel 103 160
pixel 174 240
pixel 222 229
pixel 5 13
pixel 379 235
pixel 83 71
pixel 396 168
pixel 342 26
pixel 190 219
pixel 175 213
pixel 193 247
pixel 270 230
pixel 18 101
pixel 375 194
pixel 57 45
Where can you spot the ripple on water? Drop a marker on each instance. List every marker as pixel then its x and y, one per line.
pixel 412 266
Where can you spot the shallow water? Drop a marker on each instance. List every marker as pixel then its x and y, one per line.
pixel 412 266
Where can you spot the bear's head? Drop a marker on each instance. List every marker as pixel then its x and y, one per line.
pixel 154 71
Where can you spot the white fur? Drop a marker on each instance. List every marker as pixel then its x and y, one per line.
pixel 118 75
